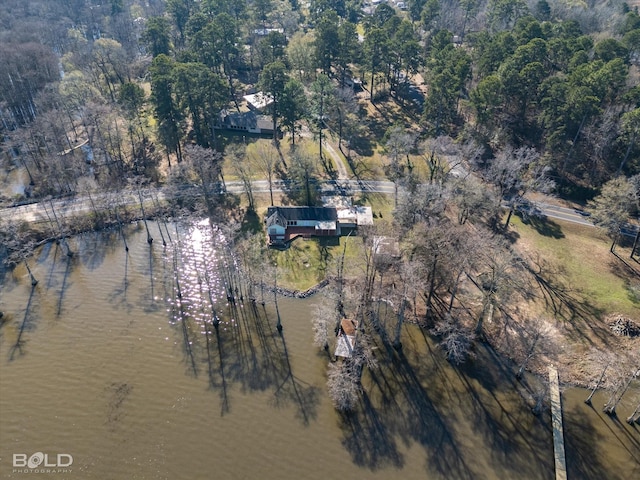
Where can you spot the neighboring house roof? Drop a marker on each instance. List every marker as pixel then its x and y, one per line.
pixel 345 345
pixel 358 215
pixel 258 100
pixel 321 214
pixel 244 120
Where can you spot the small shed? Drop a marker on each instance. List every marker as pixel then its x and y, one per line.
pixel 346 340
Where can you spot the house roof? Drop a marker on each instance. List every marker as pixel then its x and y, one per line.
pixel 359 215
pixel 346 340
pixel 258 100
pixel 321 214
pixel 264 123
pixel 275 218
pixel 326 226
pixel 246 121
pixel 239 119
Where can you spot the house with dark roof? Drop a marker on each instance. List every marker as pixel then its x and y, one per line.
pixel 246 122
pixel 286 223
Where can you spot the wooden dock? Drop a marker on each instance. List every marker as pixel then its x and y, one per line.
pixel 556 420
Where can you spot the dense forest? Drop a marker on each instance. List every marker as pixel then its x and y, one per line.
pixel 136 81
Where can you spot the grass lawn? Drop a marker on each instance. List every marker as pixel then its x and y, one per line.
pixel 307 262
pixel 580 259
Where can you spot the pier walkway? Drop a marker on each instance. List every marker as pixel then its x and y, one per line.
pixel 556 420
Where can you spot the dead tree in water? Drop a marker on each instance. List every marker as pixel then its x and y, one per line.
pixel 632 417
pixel 612 403
pixel 275 298
pixel 18 246
pixel 60 232
pixel 162 219
pixel 598 383
pixel 343 385
pixel 402 304
pixel 321 319
pixel 539 397
pixel 455 339
pixel 138 183
pixel 17 346
pixel 124 239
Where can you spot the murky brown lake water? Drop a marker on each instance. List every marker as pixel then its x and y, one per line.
pixel 102 362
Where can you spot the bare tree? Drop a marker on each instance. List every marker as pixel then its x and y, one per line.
pixel 343 384
pixel 455 339
pixel 323 320
pixel 515 172
pixel 598 358
pixel 499 276
pixel 610 209
pixel 139 183
pixel 536 338
pixel 619 391
pixel 243 170
pixel 19 245
pixel 202 170
pixel 265 157
pixel 472 199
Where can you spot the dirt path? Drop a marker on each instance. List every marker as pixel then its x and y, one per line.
pixel 343 173
pixel 337 160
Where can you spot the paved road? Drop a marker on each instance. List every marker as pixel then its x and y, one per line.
pixel 42 212
pixel 564 213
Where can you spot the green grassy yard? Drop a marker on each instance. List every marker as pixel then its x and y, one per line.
pixel 579 258
pixel 307 262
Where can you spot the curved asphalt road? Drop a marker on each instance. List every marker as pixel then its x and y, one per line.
pixel 41 212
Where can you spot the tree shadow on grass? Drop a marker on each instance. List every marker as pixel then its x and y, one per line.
pixel 568 305
pixel 543 225
pixel 362 145
pixel 251 222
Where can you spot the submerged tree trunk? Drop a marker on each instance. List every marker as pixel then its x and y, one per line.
pixel 397 344
pixel 588 400
pixel 632 417
pixel 34 281
pixel 144 218
pixel 610 406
